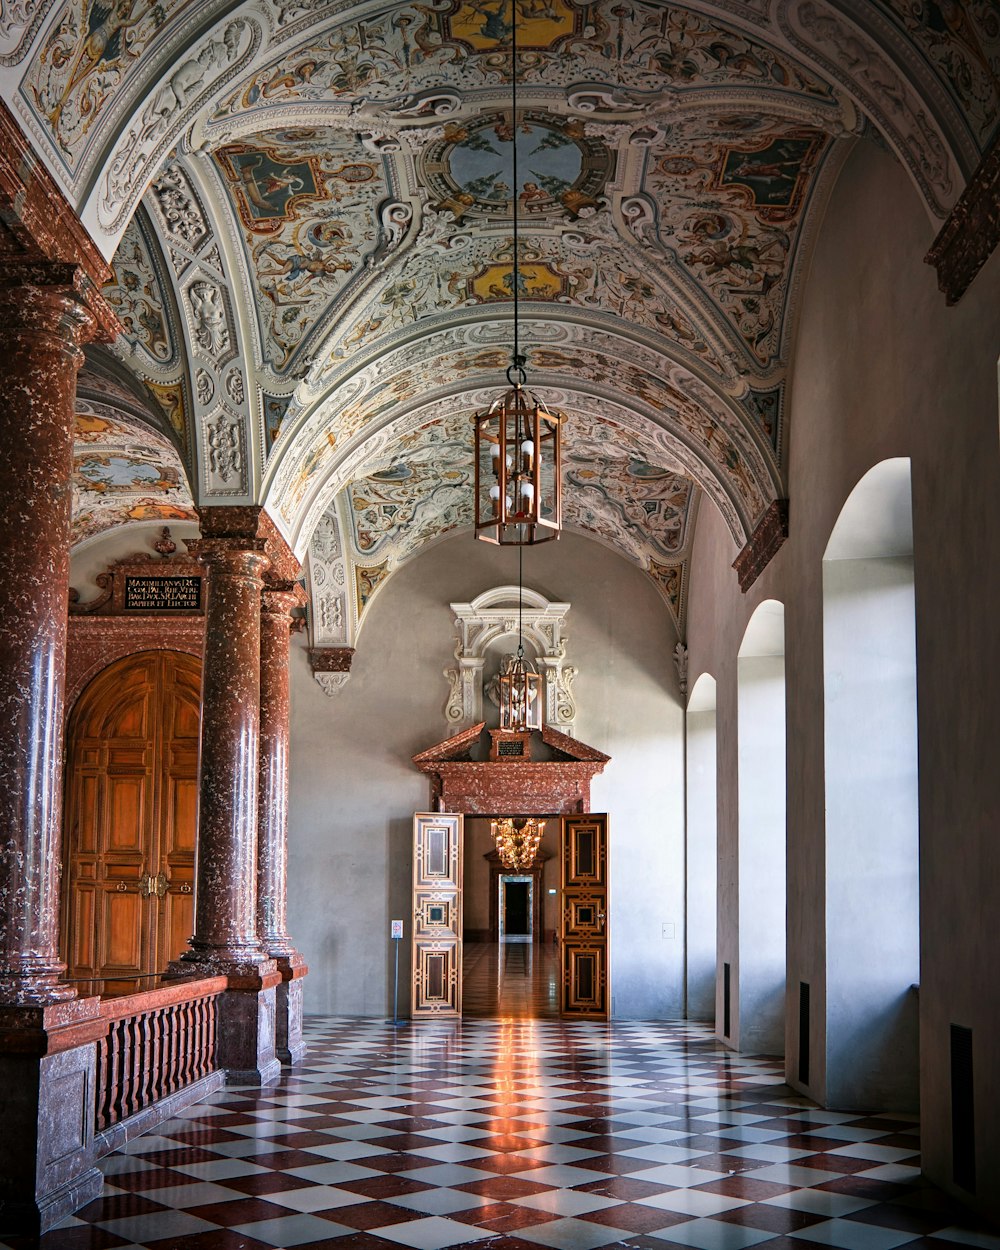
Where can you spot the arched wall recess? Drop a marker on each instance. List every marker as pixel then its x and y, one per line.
pixel 492 617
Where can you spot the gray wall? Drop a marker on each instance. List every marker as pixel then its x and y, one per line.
pixel 882 368
pixel 354 790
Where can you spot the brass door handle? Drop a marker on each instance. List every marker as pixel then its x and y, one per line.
pixel 150 885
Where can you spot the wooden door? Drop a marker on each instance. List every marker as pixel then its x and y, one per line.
pixel 585 992
pixel 130 818
pixel 437 915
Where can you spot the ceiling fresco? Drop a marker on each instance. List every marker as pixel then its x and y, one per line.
pixel 317 287
pixel 123 472
pixel 305 200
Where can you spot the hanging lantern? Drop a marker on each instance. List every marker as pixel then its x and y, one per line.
pixel 520 695
pixel 517 845
pixel 518 467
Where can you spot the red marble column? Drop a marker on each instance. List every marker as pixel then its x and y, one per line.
pixel 225 941
pixel 277 603
pixel 43 321
pixel 48 309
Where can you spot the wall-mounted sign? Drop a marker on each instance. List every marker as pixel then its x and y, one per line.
pixel 162 594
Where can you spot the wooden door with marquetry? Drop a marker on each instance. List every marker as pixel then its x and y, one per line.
pixel 436 985
pixel 130 819
pixel 584 945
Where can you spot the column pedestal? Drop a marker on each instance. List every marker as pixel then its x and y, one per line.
pixel 48 1064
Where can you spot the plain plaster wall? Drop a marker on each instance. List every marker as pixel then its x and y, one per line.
pixel 354 789
pixel 883 368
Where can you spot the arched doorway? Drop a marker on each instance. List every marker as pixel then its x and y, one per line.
pixel 131 818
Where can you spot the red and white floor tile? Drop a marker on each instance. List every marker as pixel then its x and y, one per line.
pixel 513 1134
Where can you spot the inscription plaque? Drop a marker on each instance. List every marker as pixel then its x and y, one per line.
pixel 162 594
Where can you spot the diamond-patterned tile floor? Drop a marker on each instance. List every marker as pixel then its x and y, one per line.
pixel 514 1134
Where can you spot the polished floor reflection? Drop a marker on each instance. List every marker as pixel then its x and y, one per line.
pixel 513 978
pixel 510 1134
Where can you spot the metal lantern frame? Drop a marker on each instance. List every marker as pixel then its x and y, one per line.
pixel 518 453
pixel 518 458
pixel 520 696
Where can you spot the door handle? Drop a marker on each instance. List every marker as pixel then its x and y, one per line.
pixel 150 885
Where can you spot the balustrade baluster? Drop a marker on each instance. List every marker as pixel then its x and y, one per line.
pixel 147 1055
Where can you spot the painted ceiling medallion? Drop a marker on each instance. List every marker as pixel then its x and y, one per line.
pixel 561 171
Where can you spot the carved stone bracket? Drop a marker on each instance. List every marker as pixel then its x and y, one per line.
pixel 331 666
pixel 681 664
pixel 769 534
pixel 492 617
pixel 971 232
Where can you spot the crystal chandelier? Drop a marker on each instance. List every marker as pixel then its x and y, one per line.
pixel 517 438
pixel 517 845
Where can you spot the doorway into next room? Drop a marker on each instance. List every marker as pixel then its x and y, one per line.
pixel 511 958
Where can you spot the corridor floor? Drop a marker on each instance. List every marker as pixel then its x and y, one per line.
pixel 511 1134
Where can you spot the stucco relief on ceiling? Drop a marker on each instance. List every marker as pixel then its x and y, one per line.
pixel 136 293
pixel 670 157
pixel 706 439
pixel 962 42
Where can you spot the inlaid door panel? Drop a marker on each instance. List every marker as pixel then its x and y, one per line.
pixel 437 915
pixel 131 812
pixel 585 993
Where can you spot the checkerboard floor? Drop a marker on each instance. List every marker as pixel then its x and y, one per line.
pixel 514 1134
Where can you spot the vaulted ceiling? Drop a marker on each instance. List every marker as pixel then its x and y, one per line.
pixel 309 208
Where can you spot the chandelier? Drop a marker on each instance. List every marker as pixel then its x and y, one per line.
pixel 517 845
pixel 520 687
pixel 517 447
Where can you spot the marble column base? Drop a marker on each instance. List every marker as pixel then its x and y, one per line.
pixel 48 1067
pixel 247 1011
pixel 289 1046
pixel 246 1035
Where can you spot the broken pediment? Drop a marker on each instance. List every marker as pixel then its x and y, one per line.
pixel 508 777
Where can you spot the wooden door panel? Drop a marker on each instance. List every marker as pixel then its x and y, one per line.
pixel 83 954
pixel 87 812
pixel 178 913
pixel 437 915
pixel 131 817
pixel 181 821
pixel 129 717
pixel 122 940
pixel 127 827
pixel 585 991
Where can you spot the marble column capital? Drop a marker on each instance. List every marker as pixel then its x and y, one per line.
pixel 231 557
pixel 249 527
pixel 51 302
pixel 279 599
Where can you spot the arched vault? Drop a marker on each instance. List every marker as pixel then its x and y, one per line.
pixel 309 211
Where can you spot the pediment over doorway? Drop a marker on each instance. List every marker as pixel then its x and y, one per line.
pixel 464 779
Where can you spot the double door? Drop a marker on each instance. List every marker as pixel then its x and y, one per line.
pixel 131 818
pixel 437 916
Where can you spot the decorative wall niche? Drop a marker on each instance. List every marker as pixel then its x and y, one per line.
pixel 489 622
